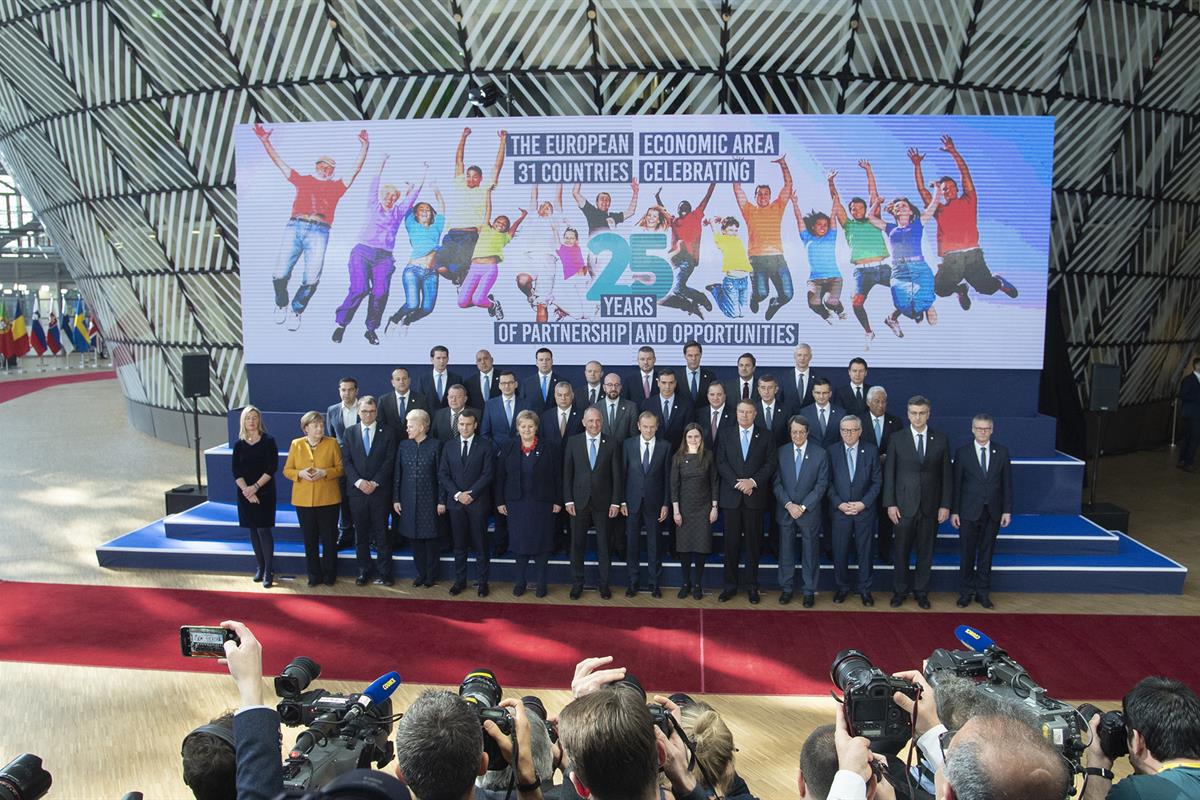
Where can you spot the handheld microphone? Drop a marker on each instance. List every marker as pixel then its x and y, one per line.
pixel 973 639
pixel 380 690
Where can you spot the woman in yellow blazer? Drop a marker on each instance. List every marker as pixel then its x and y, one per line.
pixel 314 464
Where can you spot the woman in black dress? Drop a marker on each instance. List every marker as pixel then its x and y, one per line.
pixel 415 491
pixel 528 490
pixel 694 493
pixel 255 461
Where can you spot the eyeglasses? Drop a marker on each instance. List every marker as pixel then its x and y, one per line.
pixel 944 742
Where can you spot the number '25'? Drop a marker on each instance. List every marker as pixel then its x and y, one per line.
pixel 630 255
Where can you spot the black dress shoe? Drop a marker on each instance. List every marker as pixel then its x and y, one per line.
pixel 684 590
pixel 518 590
pixel 313 581
pixel 725 596
pixel 840 596
pixel 897 600
pixel 785 598
pixel 655 591
pixel 963 601
pixel 458 587
pixel 418 583
pixel 385 581
pixel 361 580
pixel 808 601
pixel 331 580
pixel 985 601
pixel 697 593
pixel 258 574
pixel 753 596
pixel 268 580
pixel 605 592
pixel 867 599
pixel 576 592
pixel 923 601
pixel 631 591
pixel 483 589
pixel 541 590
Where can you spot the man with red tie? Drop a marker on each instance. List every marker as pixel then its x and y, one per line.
pixel 641 384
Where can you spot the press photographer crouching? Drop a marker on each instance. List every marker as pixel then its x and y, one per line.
pixel 1159 729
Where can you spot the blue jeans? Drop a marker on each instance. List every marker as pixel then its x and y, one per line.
pixel 730 295
pixel 768 270
pixel 301 238
pixel 420 290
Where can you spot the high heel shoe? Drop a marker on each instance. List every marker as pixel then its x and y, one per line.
pixel 684 591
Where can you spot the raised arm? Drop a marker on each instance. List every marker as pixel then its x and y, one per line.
pixel 558 206
pixel 968 185
pixel 739 196
pixel 577 193
pixel 873 215
pixel 631 209
pixel 839 211
pixel 707 196
pixel 487 208
pixel 459 167
pixel 362 156
pixel 935 197
pixel 441 201
pixel 533 197
pixel 658 197
pixel 512 230
pixel 916 157
pixel 799 217
pixel 786 192
pixel 872 191
pixel 499 165
pixel 264 136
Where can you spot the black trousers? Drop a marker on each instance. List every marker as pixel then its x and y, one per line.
pixel 370 514
pixel 319 526
pixel 917 532
pixel 468 527
pixel 541 562
pixel 1190 440
pixel 977 544
pixel 646 516
pixel 742 525
pixel 585 518
pixel 346 517
pixel 425 558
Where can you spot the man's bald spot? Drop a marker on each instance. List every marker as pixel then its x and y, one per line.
pixel 1012 755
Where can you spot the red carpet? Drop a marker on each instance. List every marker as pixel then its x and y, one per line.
pixel 669 649
pixel 19 387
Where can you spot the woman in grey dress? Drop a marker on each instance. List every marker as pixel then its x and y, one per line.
pixel 694 491
pixel 415 493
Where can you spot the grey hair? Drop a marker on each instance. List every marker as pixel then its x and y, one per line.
pixel 540 747
pixel 875 391
pixel 438 746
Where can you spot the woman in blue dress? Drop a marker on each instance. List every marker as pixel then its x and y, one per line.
pixel 415 493
pixel 912 279
pixel 528 491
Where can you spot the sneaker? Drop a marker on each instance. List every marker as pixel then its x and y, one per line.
pixel 338 332
pixel 293 321
pixel 894 324
pixel 964 298
pixel 280 314
pixel 1006 287
pixel 841 314
pixel 931 317
pixel 708 306
pixel 371 337
pixel 753 305
pixel 828 320
pixel 495 309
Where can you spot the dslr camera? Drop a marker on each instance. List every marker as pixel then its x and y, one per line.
pixel 23 778
pixel 867 694
pixel 658 712
pixel 482 692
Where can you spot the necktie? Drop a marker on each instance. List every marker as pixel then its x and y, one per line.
pixel 592 454
pixel 545 387
pixel 508 411
pixel 592 402
pixel 487 387
pixel 858 394
pixel 921 447
pixel 695 384
pixel 768 411
pixel 464 453
pixel 799 457
pixel 646 386
pixel 401 402
pixel 822 423
pixel 714 426
pixel 453 422
pixel 983 458
pixel 745 443
pixel 645 457
pixel 850 461
pixel 801 386
pixel 666 410
pixel 367 440
pixel 745 390
pixel 878 431
pixel 612 414
pixel 439 386
pixel 562 423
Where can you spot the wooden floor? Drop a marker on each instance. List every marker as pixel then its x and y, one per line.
pixel 74 473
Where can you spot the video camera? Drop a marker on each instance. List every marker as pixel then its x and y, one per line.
pixel 343 731
pixel 867 694
pixel 997 674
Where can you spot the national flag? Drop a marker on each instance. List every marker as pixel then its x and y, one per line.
pixel 37 335
pixel 53 341
pixel 5 334
pixel 66 325
pixel 94 332
pixel 79 335
pixel 20 334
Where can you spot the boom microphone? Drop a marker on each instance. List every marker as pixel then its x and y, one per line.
pixel 973 639
pixel 380 690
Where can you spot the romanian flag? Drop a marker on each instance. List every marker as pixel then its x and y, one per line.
pixel 79 335
pixel 37 336
pixel 20 334
pixel 5 334
pixel 52 338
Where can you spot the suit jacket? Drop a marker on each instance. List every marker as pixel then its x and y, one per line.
pixel 335 425
pixel 547 472
pixel 427 387
pixel 844 396
pixel 974 490
pixel 474 475
pixel 733 389
pixel 863 486
pixel 583 397
pixel 442 426
pixel 475 398
pixel 833 435
pixel 378 466
pixel 806 490
pixel 683 384
pixel 257 747
pixel 891 425
pixel 1189 397
pixel 681 414
pixel 778 431
pixel 327 456
pixel 626 419
pixel 495 420
pixel 390 416
pixel 548 430
pixel 758 464
pixel 787 388
pixel 631 386
pixel 703 417
pixel 653 487
pixel 595 488
pixel 531 389
pixel 914 485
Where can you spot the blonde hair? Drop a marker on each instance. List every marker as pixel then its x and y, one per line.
pixel 714 745
pixel 247 411
pixel 310 417
pixel 419 416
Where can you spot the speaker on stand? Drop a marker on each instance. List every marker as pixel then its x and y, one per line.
pixel 195 368
pixel 1105 398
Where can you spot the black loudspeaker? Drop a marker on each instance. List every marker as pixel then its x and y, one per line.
pixel 195 374
pixel 1106 387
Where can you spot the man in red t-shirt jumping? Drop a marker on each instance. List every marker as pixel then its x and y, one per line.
pixel 307 231
pixel 958 234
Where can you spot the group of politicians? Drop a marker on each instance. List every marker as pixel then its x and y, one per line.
pixel 649 461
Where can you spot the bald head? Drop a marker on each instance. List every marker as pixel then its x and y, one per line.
pixel 1002 756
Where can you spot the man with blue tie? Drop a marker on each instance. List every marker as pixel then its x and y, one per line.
pixel 647 499
pixel 981 506
pixel 878 427
pixel 800 484
pixel 538 388
pixel 435 383
pixel 482 384
pixel 368 454
pixel 338 417
pixel 672 409
pixel 694 379
pixel 856 479
pixel 465 482
pixel 499 425
pixel 592 485
pixel 822 415
pixel 745 466
pixel 559 423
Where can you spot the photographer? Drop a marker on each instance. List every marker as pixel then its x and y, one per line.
pixel 209 766
pixel 1162 731
pixel 255 725
pixel 541 751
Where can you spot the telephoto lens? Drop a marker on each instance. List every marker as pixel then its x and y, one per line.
pixel 480 688
pixel 296 676
pixel 850 667
pixel 24 779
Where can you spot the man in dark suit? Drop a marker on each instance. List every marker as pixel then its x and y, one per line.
pixel 672 409
pixel 856 479
pixel 693 380
pixel 714 417
pixel 394 405
pixel 482 383
pixel 800 483
pixel 769 412
pixel 619 415
pixel 499 425
pixel 465 483
pixel 878 427
pixel 1189 410
pixel 745 466
pixel 338 417
pixel 592 485
pixel 981 506
pixel 647 499
pixel 797 387
pixel 445 420
pixel 559 423
pixel 591 391
pixel 368 455
pixel 853 397
pixel 822 415
pixel 745 385
pixel 435 383
pixel 641 385
pixel 538 388
pixel 917 488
